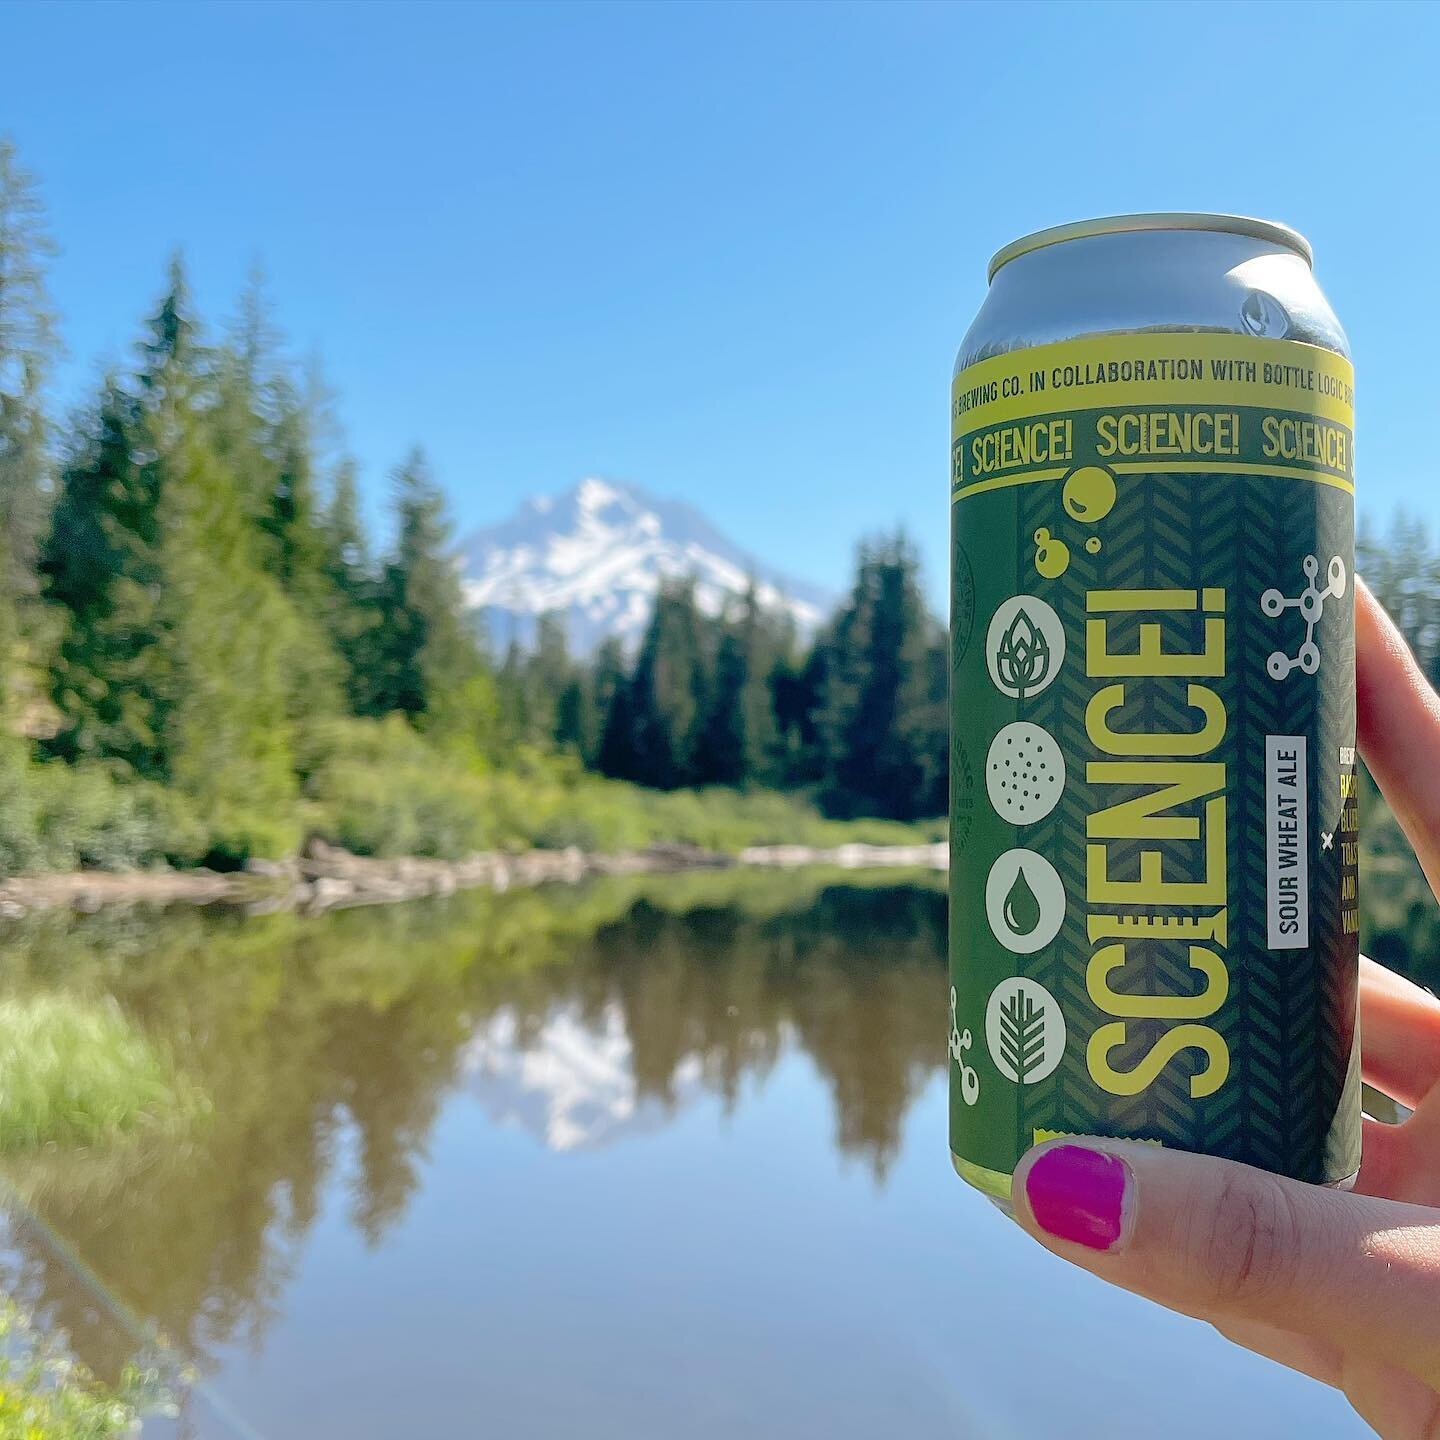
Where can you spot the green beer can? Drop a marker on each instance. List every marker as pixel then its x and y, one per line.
pixel 1153 807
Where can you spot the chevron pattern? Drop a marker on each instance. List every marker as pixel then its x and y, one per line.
pixel 1289 1017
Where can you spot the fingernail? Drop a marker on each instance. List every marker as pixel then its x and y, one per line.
pixel 1078 1194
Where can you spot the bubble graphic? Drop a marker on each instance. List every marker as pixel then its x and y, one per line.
pixel 1093 544
pixel 1024 773
pixel 1089 493
pixel 1052 557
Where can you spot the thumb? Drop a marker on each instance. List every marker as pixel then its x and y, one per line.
pixel 1229 1243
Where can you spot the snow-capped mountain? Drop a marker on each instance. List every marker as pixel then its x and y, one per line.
pixel 598 554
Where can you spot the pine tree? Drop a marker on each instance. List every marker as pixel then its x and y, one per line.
pixel 765 641
pixel 878 756
pixel 173 660
pixel 28 348
pixel 513 692
pixel 549 675
pixel 723 754
pixel 667 694
pixel 433 665
pixel 799 687
pixel 104 567
pixel 293 545
pixel 226 632
pixel 349 606
pixel 264 426
pixel 573 717
pixel 613 746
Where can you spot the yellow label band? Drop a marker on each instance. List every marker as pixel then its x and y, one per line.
pixel 1137 404
pixel 1128 371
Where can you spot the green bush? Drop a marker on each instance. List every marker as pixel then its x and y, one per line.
pixel 86 819
pixel 62 817
pixel 235 834
pixel 378 787
pixel 19 843
pixel 384 790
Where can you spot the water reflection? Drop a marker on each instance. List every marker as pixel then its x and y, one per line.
pixel 582 1017
pixel 649 1157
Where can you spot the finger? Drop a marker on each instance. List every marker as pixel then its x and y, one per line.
pixel 1387 1165
pixel 1391 1401
pixel 1400 1034
pixel 1398 719
pixel 1230 1243
pixel 1318 1359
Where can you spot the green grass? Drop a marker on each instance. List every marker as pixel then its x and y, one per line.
pixel 76 1073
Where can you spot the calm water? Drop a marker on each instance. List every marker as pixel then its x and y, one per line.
pixel 642 1159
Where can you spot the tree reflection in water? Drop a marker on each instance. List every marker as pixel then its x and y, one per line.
pixel 583 1014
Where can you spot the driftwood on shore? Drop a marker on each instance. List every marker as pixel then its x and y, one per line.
pixel 327 878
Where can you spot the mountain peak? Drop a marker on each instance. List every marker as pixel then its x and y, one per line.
pixel 598 554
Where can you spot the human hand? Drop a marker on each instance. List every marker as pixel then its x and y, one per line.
pixel 1344 1287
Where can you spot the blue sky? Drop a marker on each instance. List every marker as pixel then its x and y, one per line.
pixel 725 252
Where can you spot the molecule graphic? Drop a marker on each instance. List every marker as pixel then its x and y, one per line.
pixel 960 1042
pixel 1311 604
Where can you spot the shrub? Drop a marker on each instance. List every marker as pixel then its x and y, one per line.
pixel 384 790
pixel 61 817
pixel 84 818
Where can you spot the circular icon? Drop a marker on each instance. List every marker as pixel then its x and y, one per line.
pixel 1024 901
pixel 1024 1030
pixel 1024 773
pixel 1088 493
pixel 1024 646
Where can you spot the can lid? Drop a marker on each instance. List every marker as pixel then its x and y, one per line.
pixel 1271 230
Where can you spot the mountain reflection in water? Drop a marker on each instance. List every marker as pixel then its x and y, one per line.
pixel 581 1016
pixel 649 1156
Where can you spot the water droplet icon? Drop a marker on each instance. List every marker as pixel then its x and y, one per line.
pixel 1024 901
pixel 1022 909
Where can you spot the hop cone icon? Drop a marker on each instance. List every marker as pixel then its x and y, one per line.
pixel 1023 656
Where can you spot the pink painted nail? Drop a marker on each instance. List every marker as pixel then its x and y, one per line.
pixel 1078 1194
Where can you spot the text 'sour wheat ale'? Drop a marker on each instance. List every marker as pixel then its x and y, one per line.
pixel 1153 817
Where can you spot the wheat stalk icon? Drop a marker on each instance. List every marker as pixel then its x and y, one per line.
pixel 1022 658
pixel 1022 1034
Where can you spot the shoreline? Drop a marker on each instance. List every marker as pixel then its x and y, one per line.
pixel 327 878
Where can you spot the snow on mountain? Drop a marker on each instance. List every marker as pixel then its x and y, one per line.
pixel 570 1081
pixel 598 554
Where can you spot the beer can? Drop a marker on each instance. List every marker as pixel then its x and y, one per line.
pixel 1153 809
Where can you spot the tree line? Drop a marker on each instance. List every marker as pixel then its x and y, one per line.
pixel 204 653
pixel 856 715
pixel 190 604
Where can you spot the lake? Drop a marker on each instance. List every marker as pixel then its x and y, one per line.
pixel 639 1158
